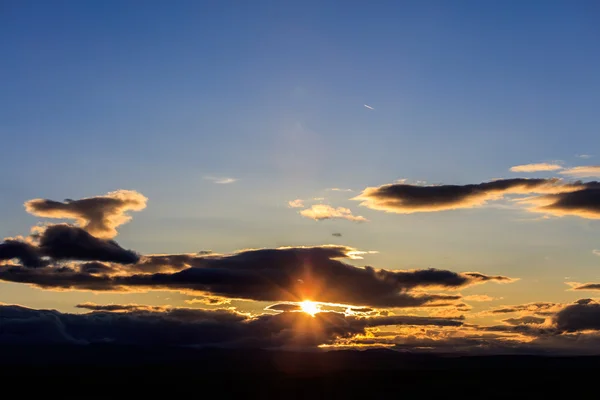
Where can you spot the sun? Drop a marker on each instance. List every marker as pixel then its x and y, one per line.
pixel 310 307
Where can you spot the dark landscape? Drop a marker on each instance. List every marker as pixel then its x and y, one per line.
pixel 101 370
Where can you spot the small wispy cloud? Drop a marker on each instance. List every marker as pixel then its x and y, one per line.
pixel 340 190
pixel 369 107
pixel 584 155
pixel 584 171
pixel 298 203
pixel 478 297
pixel 320 212
pixel 220 180
pixel 596 252
pixel 537 167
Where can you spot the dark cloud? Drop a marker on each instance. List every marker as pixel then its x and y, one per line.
pixel 26 253
pixel 336 234
pixel 189 327
pixel 99 215
pixel 285 307
pixel 587 286
pixel 119 307
pixel 539 308
pixel 64 242
pixel 404 198
pixel 525 320
pixel 581 316
pixel 284 274
pixel 584 202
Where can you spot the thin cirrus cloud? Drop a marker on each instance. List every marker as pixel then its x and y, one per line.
pixel 586 171
pixel 320 212
pixel 99 215
pixel 221 180
pixel 406 199
pixel 369 107
pixel 538 167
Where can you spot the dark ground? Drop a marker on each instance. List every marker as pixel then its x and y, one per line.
pixel 116 371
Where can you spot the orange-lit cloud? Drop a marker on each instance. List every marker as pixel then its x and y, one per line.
pixel 582 202
pixel 539 167
pixel 586 171
pixel 406 199
pixel 298 203
pixel 320 212
pixel 99 215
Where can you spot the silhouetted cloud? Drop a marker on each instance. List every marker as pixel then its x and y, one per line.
pixel 405 199
pixel 119 307
pixel 284 307
pixel 26 253
pixel 336 234
pixel 284 274
pixel 585 171
pixel 539 167
pixel 583 202
pixel 64 242
pixel 584 286
pixel 581 316
pixel 320 212
pixel 131 324
pixel 538 308
pixel 525 320
pixel 99 215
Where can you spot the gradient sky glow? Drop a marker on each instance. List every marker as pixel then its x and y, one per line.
pixel 222 112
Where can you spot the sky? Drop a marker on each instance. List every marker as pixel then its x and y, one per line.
pixel 271 151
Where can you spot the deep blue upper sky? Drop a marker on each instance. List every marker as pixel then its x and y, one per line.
pixel 155 96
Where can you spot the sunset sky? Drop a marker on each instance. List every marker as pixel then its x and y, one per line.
pixel 237 158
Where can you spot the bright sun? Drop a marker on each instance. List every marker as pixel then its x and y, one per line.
pixel 310 307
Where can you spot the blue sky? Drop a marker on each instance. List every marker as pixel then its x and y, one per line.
pixel 156 96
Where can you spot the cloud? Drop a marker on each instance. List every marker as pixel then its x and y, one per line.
pixel 284 307
pixel 336 234
pixel 539 308
pixel 141 325
pixel 119 307
pixel 584 286
pixel 596 252
pixel 406 199
pixel 582 171
pixel 583 315
pixel 369 107
pixel 320 212
pixel 539 167
pixel 525 320
pixel 584 156
pixel 340 190
pixel 209 300
pixel 478 297
pixel 64 242
pixel 283 274
pixel 26 253
pixel 99 215
pixel 222 180
pixel 582 201
pixel 298 203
